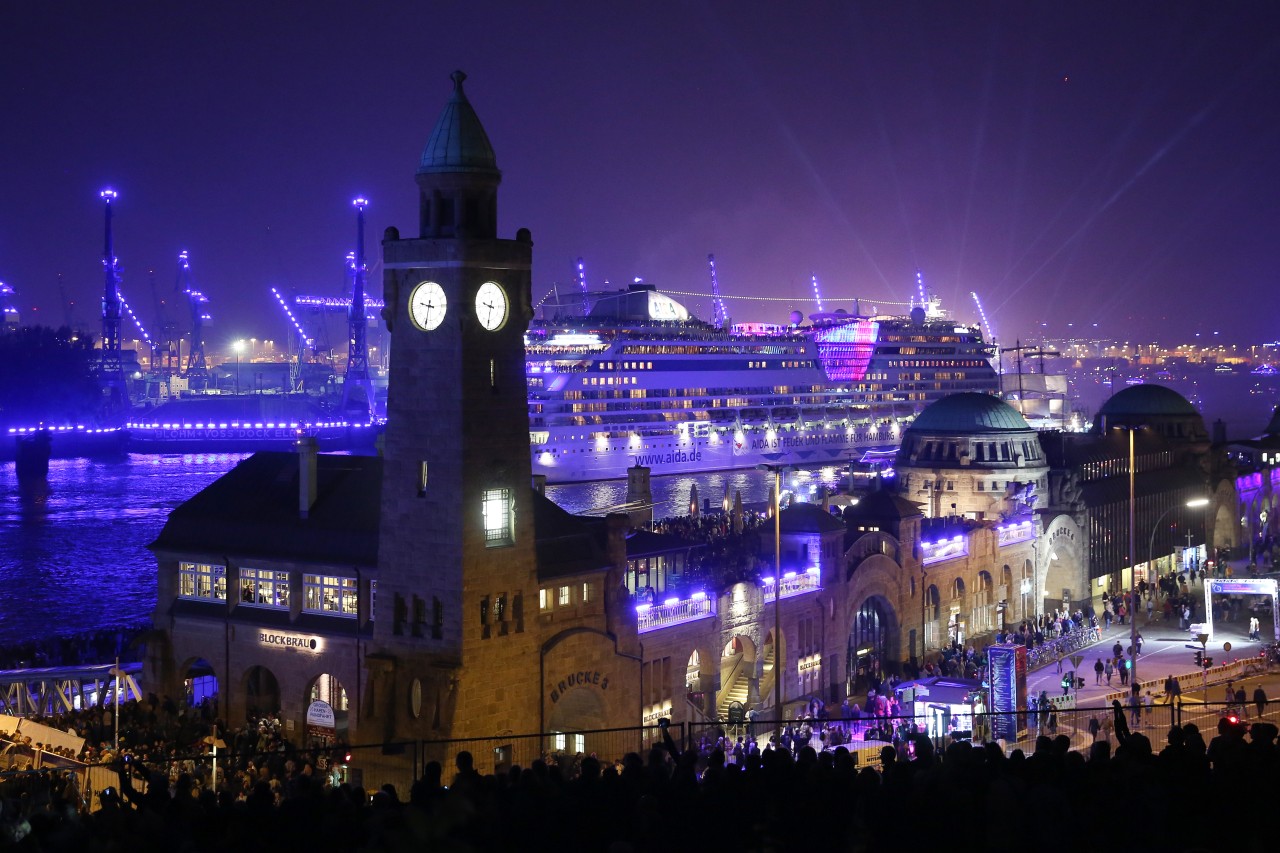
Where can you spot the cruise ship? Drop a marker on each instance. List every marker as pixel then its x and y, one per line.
pixel 635 379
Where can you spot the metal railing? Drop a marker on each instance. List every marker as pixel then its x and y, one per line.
pixel 652 617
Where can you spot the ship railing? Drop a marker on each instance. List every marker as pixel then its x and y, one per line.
pixel 674 611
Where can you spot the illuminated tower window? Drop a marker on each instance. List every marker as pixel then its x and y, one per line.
pixel 497 518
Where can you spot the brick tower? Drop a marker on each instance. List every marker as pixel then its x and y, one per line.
pixel 457 571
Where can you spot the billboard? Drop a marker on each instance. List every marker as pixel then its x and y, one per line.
pixel 1008 680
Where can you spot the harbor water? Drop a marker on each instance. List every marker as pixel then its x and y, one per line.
pixel 73 549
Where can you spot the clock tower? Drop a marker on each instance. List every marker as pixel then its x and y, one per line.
pixel 457 571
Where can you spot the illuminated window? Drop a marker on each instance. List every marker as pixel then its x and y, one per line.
pixel 202 581
pixel 497 518
pixel 586 593
pixel 561 742
pixel 264 588
pixel 331 595
pixel 544 599
pixel 563 598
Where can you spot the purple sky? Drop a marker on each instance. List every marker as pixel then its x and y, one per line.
pixel 1083 162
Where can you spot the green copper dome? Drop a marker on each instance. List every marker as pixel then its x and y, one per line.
pixel 1146 401
pixel 967 413
pixel 458 143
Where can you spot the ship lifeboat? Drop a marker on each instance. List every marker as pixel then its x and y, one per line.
pixel 784 414
pixel 754 416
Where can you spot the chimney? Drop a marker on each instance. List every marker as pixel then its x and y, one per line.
pixel 307 451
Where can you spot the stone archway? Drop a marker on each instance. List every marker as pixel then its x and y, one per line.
pixel 261 692
pixel 1226 523
pixel 873 645
pixel 738 678
pixel 1062 578
pixel 199 684
pixel 328 689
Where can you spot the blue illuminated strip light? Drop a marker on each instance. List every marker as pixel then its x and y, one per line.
pixel 32 430
pixel 292 319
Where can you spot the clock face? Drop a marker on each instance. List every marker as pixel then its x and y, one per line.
pixel 491 306
pixel 427 305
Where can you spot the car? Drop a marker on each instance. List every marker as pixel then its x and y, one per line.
pixel 1262 605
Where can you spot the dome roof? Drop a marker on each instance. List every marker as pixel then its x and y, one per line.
pixel 1273 426
pixel 458 143
pixel 969 412
pixel 1147 401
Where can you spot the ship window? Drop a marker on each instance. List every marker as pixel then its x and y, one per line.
pixel 498 518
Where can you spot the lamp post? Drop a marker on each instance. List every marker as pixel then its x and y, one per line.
pixel 777 591
pixel 238 346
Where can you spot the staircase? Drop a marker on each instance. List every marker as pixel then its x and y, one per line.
pixel 767 676
pixel 736 688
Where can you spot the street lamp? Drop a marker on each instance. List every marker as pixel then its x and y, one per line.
pixel 238 346
pixel 1151 545
pixel 777 590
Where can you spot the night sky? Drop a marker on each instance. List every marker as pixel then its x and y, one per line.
pixel 1071 162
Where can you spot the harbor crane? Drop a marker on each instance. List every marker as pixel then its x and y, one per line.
pixel 357 389
pixel 197 368
pixel 110 371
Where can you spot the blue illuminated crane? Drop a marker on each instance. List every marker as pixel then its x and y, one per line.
pixel 717 301
pixel 357 390
pixel 110 363
pixel 197 368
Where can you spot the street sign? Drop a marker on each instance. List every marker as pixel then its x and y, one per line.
pixel 1076 660
pixel 1193 648
pixel 1226 647
pixel 1203 638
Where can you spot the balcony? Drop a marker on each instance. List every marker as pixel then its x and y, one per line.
pixel 944 549
pixel 793 583
pixel 1019 531
pixel 674 611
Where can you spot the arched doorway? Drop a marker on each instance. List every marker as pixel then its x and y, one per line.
pixel 261 693
pixel 738 681
pixel 869 653
pixel 200 686
pixel 329 690
pixel 578 710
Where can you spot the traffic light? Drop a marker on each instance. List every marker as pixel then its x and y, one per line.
pixel 1199 658
pixel 1208 662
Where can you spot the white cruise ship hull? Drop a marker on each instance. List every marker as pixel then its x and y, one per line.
pixel 572 460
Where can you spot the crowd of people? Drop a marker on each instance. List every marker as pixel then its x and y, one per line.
pixel 674 799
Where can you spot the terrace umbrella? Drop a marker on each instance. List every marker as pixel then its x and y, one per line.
pixel 772 501
pixel 727 502
pixel 693 501
pixel 737 512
